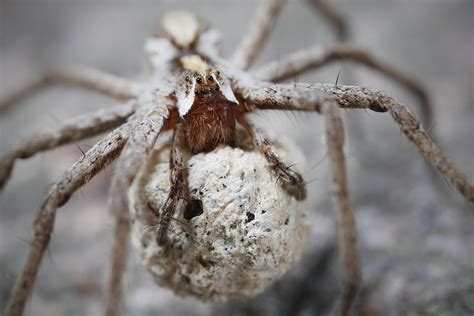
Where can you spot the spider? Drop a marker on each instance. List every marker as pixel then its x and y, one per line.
pixel 190 76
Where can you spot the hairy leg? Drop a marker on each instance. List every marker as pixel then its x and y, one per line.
pixel 88 78
pixel 78 128
pixel 347 235
pixel 258 31
pixel 314 58
pixel 177 180
pixel 310 97
pixel 290 180
pixel 340 25
pixel 151 119
pixel 96 159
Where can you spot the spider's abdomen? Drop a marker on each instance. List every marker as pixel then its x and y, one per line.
pixel 208 125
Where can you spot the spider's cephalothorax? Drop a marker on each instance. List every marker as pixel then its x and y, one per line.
pixel 206 105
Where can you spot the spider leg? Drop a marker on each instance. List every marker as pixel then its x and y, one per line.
pixel 78 128
pixel 334 128
pixel 134 156
pixel 347 235
pixel 316 57
pixel 177 188
pixel 290 180
pixel 96 159
pixel 310 97
pixel 333 17
pixel 88 78
pixel 258 31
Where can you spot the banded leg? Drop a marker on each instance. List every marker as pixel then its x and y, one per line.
pixel 290 180
pixel 96 159
pixel 134 156
pixel 88 78
pixel 314 58
pixel 310 97
pixel 78 128
pixel 258 31
pixel 178 182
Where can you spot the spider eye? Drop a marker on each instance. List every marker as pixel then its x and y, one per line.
pixel 199 80
pixel 187 79
pixel 210 78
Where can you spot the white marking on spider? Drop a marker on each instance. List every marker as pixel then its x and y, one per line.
pixel 183 27
pixel 185 97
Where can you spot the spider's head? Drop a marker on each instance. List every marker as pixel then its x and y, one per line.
pixel 201 82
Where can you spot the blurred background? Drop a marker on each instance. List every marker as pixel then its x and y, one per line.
pixel 416 238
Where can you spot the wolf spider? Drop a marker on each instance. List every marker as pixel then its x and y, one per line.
pixel 202 97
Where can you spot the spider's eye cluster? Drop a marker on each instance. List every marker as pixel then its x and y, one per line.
pixel 206 83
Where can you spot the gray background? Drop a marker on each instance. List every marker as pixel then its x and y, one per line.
pixel 416 238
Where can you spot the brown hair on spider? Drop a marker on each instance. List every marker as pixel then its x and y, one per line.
pixel 207 106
